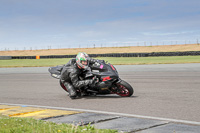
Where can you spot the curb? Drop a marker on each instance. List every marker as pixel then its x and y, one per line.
pixel 99 120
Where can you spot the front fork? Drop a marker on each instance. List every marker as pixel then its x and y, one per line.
pixel 114 88
pixel 118 81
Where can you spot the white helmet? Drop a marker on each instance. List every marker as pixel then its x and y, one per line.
pixel 82 56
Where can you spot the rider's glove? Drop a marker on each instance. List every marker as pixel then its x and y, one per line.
pixel 95 80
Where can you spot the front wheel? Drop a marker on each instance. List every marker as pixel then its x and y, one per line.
pixel 124 89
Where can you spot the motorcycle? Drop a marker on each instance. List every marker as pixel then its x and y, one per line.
pixel 106 73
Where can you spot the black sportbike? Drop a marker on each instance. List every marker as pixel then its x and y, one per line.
pixel 109 81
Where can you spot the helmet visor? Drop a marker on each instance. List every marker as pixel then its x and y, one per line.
pixel 84 63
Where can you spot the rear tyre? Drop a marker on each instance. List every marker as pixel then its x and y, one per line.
pixel 124 89
pixel 62 85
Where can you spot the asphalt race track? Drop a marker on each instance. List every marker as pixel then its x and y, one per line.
pixel 166 91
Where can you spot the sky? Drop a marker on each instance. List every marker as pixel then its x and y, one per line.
pixel 42 24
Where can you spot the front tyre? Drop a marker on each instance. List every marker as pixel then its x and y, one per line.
pixel 124 89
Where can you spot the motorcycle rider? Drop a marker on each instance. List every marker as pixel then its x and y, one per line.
pixel 70 75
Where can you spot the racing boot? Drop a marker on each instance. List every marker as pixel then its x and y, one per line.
pixel 71 90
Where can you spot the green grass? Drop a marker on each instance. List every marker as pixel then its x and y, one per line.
pixel 153 60
pixel 113 60
pixel 29 125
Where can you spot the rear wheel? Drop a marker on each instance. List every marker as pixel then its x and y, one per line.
pixel 124 89
pixel 62 85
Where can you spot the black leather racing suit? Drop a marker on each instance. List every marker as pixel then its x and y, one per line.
pixel 70 76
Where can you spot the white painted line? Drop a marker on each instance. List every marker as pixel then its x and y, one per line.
pixel 111 113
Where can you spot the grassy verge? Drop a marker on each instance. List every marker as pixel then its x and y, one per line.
pixel 27 125
pixel 113 60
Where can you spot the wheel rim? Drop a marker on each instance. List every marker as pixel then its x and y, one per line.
pixel 122 90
